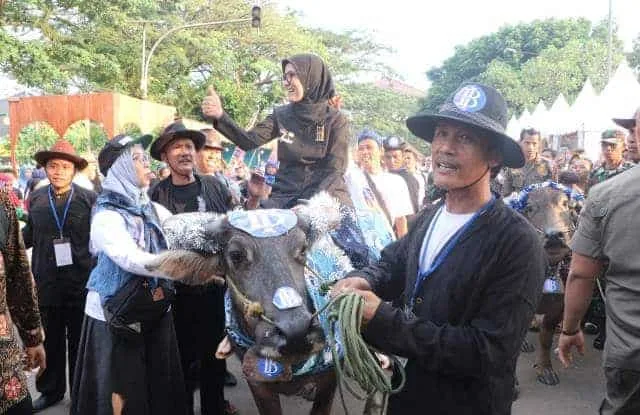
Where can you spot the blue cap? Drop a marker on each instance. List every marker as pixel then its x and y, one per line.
pixel 371 135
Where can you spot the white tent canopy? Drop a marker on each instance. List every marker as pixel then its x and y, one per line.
pixel 539 116
pixel 513 127
pixel 591 113
pixel 559 116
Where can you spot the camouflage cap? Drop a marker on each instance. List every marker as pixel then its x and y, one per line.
pixel 612 136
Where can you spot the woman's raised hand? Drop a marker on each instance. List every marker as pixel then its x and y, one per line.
pixel 211 105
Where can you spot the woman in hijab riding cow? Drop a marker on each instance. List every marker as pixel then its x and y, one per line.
pixel 313 143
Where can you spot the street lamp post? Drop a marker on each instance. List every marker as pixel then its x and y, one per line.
pixel 146 60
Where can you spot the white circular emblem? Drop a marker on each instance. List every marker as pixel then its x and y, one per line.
pixel 263 223
pixel 286 298
pixel 470 98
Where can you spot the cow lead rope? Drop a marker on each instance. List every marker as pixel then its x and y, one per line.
pixel 358 363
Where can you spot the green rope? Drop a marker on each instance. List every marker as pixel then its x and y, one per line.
pixel 359 362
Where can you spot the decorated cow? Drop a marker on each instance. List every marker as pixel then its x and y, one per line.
pixel 274 263
pixel 553 209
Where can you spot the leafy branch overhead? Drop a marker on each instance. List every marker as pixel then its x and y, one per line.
pixel 529 62
pixel 89 45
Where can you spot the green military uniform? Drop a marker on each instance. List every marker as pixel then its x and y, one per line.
pixel 601 173
pixel 537 171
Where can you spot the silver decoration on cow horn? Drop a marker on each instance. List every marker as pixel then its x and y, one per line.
pixel 322 212
pixel 186 231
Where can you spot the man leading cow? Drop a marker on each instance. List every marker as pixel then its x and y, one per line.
pixel 466 279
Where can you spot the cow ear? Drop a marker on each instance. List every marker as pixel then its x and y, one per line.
pixel 318 216
pixel 188 267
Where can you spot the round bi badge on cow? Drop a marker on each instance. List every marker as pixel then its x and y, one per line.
pixel 270 368
pixel 265 223
pixel 286 298
pixel 470 98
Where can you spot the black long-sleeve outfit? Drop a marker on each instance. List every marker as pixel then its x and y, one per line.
pixel 61 290
pixel 470 316
pixel 309 163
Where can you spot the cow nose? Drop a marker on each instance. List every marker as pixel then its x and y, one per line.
pixel 295 327
pixel 554 234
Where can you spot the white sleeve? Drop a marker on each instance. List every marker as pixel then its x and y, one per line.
pixel 109 235
pixel 401 200
pixel 163 212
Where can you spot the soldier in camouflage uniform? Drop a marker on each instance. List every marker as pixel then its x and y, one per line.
pixel 536 169
pixel 612 143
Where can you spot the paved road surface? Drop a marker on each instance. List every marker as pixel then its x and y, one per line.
pixel 579 391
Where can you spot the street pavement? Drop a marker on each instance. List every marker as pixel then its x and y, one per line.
pixel 579 391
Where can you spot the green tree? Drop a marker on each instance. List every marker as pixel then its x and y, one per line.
pixel 96 46
pixel 382 110
pixel 33 138
pixel 86 137
pixel 634 56
pixel 528 62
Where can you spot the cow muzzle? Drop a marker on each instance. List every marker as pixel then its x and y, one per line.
pixel 295 335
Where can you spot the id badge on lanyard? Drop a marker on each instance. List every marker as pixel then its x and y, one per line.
pixel 61 245
pixel 62 252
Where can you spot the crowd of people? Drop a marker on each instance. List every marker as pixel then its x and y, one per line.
pixel 450 274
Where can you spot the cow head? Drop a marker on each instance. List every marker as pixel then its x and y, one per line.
pixel 262 255
pixel 553 210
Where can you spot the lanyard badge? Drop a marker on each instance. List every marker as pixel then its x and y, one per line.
pixel 62 245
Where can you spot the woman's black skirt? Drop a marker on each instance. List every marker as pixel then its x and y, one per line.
pixel 144 371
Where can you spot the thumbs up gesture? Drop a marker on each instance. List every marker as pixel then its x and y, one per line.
pixel 211 106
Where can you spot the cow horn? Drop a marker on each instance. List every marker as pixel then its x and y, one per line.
pixel 189 231
pixel 321 213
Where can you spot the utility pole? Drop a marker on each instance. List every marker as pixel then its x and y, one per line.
pixel 143 81
pixel 255 20
pixel 609 50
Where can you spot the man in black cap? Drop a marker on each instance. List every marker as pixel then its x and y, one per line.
pixel 633 137
pixel 58 230
pixel 464 283
pixel 612 145
pixel 394 148
pixel 198 311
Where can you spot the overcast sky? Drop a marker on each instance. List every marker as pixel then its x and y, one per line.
pixel 424 33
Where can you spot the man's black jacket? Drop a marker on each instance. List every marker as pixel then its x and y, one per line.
pixel 65 285
pixel 470 316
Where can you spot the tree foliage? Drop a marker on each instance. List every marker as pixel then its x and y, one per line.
pixel 96 45
pixel 382 110
pixel 634 56
pixel 528 62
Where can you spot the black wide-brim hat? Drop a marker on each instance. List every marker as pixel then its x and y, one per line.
pixel 116 146
pixel 480 107
pixel 172 132
pixel 626 123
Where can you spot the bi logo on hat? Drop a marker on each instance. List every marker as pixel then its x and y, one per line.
pixel 470 98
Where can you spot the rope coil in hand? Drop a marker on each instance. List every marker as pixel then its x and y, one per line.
pixel 359 362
